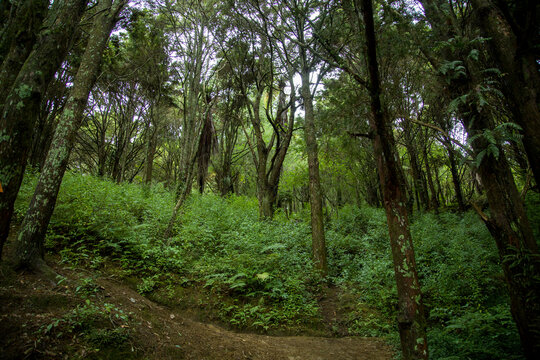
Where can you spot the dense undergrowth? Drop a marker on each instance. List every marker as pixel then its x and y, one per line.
pixel 257 275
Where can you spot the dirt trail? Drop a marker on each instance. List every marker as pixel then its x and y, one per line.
pixel 205 341
pixel 28 302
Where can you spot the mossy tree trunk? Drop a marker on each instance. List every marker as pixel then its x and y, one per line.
pixel 514 49
pixel 30 240
pixel 21 108
pixel 456 181
pixel 17 39
pixel 507 221
pixel 318 243
pixel 434 200
pixel 269 157
pixel 416 171
pixel 509 226
pixel 411 317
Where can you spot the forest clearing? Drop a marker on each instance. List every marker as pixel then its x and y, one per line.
pixel 256 179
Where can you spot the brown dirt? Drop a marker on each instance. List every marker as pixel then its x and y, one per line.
pixel 332 312
pixel 28 302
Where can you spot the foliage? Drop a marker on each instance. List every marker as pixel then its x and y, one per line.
pixel 532 202
pixel 462 284
pixel 264 266
pixel 100 325
pixel 257 274
pixel 480 335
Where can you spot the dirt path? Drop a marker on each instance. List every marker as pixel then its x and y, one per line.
pixel 29 302
pixel 169 331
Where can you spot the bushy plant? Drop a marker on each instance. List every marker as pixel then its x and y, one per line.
pixel 360 258
pixel 463 288
pixel 263 266
pixel 459 271
pixel 457 261
pixel 483 335
pixel 532 204
pixel 103 325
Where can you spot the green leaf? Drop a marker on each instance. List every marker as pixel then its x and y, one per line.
pixel 264 276
pixel 493 150
pixel 488 135
pixel 474 54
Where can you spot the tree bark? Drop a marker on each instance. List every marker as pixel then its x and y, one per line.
pixel 184 193
pixel 411 317
pixel 422 197
pixel 515 57
pixel 509 226
pixel 17 40
pixel 21 108
pixel 29 251
pixel 315 193
pixel 269 169
pixel 267 196
pixel 434 200
pixel 150 154
pixel 507 221
pixel 455 174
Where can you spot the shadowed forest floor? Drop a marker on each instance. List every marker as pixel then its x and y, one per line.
pixel 30 304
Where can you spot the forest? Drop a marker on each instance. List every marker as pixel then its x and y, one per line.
pixel 257 179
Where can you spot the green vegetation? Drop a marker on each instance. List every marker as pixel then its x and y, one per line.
pixel 257 275
pixel 339 149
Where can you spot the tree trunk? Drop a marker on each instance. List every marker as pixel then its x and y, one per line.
pixel 7 9
pixel 32 234
pixel 507 222
pixel 315 193
pixel 184 193
pixel 455 174
pixel 150 154
pixel 41 142
pixel 515 57
pixel 269 168
pixel 224 176
pixel 205 148
pixel 17 40
pixel 22 104
pixel 439 188
pixel 267 196
pixel 419 188
pixel 509 226
pixel 434 201
pixel 411 318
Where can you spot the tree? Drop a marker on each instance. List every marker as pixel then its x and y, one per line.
pixel 411 318
pixel 261 73
pixel 513 31
pixel 32 234
pixel 467 86
pixel 21 107
pixel 17 38
pixel 298 14
pixel 190 24
pixel 229 105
